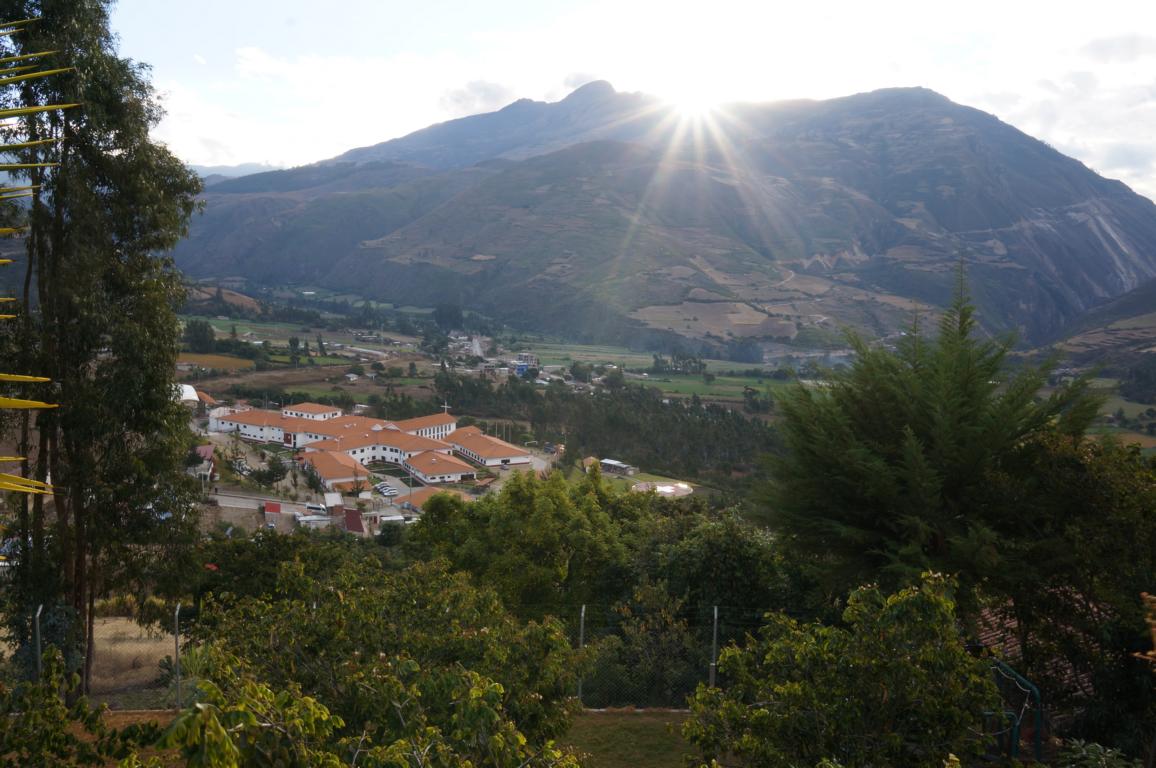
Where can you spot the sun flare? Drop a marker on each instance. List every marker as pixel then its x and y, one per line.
pixel 693 104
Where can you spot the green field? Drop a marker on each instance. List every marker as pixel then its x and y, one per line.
pixel 629 739
pixel 564 354
pixel 723 387
pixel 317 360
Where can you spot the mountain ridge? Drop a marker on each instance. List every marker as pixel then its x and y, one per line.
pixel 765 221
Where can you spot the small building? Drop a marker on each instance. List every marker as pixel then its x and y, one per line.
pixel 614 467
pixel 436 427
pixel 433 467
pixel 312 411
pixel 205 470
pixel 473 444
pixel 334 468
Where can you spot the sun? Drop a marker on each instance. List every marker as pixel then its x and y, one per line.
pixel 693 103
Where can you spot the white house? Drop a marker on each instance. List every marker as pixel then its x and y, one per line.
pixel 487 451
pixel 431 467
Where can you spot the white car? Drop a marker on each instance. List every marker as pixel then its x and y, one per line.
pixel 389 490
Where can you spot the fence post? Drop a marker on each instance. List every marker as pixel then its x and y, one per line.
pixel 177 651
pixel 581 643
pixel 714 648
pixel 36 635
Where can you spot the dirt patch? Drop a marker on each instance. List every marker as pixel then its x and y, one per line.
pixel 126 655
pixel 222 362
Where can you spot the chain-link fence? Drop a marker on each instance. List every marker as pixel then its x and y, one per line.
pixel 650 656
pixel 133 667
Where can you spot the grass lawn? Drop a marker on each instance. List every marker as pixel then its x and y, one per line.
pixel 629 739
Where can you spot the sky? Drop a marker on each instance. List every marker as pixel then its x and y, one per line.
pixel 285 82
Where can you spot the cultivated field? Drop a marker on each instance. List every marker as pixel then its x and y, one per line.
pixel 220 362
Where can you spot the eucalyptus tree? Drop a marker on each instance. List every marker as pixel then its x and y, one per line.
pixel 99 318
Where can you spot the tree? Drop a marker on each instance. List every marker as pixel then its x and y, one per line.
pixel 895 686
pixel 349 629
pixel 102 321
pixel 200 336
pixel 294 350
pixel 888 469
pixel 448 316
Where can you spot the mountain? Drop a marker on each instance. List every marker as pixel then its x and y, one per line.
pixel 522 129
pixel 607 216
pixel 230 171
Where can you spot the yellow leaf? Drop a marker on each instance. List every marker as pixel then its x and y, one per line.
pixel 13 402
pixel 21 377
pixel 33 76
pixel 26 56
pixel 18 111
pixel 26 145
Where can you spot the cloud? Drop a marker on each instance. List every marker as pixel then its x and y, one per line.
pixel 199 59
pixel 1129 156
pixel 578 79
pixel 476 96
pixel 1121 48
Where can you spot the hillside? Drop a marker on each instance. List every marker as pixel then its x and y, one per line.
pixel 761 221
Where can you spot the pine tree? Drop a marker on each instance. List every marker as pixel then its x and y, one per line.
pixel 889 464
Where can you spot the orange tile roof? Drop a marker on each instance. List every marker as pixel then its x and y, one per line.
pixel 422 422
pixel 331 465
pixel 430 463
pixel 387 437
pixel 259 418
pixel 485 446
pixel 311 408
pixel 420 496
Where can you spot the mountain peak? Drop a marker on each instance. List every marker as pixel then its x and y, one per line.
pixel 592 91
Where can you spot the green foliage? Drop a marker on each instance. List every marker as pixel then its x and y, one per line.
pixel 37 728
pixel 889 467
pixel 199 336
pixel 335 627
pixel 654 660
pixel 540 544
pixel 1080 754
pixel 892 687
pixel 1072 585
pixel 1139 381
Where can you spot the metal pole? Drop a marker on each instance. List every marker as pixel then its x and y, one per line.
pixel 714 648
pixel 177 651
pixel 581 643
pixel 36 629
